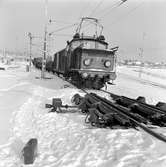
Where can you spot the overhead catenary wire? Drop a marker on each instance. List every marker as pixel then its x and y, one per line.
pixel 97 6
pixel 83 11
pixel 60 21
pixel 63 28
pixel 87 6
pixel 57 34
pixel 128 13
pixel 102 11
pixel 113 7
pixel 124 16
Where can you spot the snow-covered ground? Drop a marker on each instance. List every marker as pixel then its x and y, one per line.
pixel 128 83
pixel 153 76
pixel 64 139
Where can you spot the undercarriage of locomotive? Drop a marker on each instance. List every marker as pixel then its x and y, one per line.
pixel 89 82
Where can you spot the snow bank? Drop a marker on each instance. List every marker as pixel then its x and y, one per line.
pixel 65 140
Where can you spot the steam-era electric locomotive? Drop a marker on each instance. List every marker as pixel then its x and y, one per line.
pixel 86 60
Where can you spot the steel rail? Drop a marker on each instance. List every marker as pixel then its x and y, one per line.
pixel 148 106
pixel 154 108
pixel 124 112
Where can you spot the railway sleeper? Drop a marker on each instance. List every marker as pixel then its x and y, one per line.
pixel 129 112
pixel 159 108
pixel 101 115
pixel 139 108
pixel 122 120
pixel 103 109
pixel 159 119
pixel 152 116
pixel 94 117
pixel 98 119
pixel 161 105
pixel 145 112
pixel 139 118
pixel 124 102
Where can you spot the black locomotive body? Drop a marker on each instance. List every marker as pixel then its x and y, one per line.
pixel 86 61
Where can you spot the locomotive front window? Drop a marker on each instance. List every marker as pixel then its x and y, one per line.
pixel 101 46
pixel 88 44
pixel 93 45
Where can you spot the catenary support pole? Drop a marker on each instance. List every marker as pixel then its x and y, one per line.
pixel 30 49
pixel 45 41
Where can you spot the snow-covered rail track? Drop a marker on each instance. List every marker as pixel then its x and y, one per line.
pixel 102 112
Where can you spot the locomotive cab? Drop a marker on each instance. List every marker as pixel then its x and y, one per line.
pixel 91 60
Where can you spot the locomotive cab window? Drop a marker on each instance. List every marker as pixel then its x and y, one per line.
pixel 88 44
pixel 100 45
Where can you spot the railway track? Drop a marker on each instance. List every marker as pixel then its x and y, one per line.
pixel 120 112
pixel 126 102
pixel 102 112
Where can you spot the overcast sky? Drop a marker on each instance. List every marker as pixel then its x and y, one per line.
pixel 124 26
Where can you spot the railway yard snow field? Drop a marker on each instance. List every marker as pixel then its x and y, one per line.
pixel 64 140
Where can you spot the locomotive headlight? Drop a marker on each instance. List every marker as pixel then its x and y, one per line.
pixel 87 62
pixel 107 63
pixel 84 75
